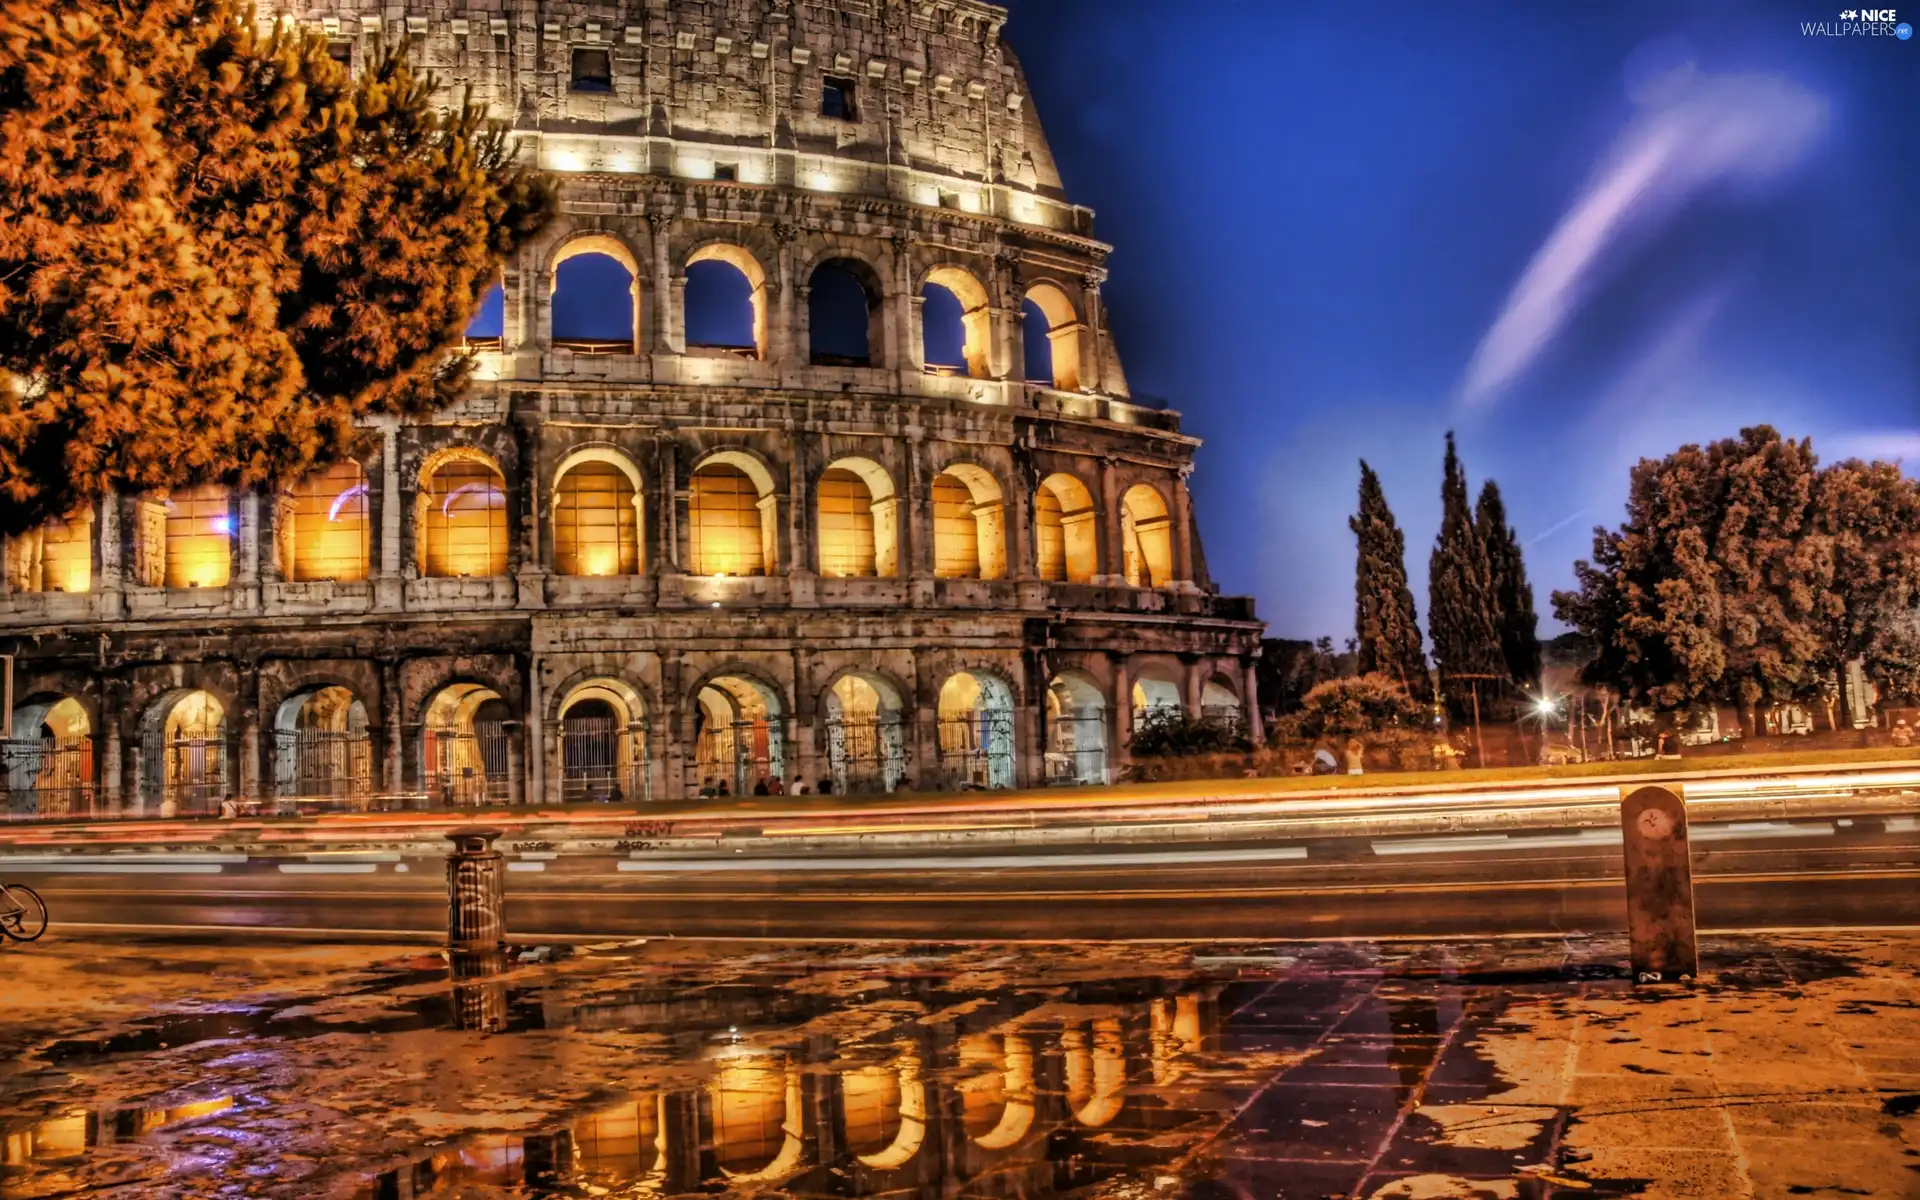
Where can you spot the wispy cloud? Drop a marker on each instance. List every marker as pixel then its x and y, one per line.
pixel 1556 527
pixel 1693 134
pixel 1888 445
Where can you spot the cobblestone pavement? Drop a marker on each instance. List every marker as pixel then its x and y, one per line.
pixel 1518 1069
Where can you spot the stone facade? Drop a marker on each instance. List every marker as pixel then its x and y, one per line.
pixel 944 575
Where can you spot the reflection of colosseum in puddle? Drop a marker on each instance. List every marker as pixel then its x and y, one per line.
pixel 1016 1103
pixel 897 521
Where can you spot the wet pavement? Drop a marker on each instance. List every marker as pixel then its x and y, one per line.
pixel 1521 1069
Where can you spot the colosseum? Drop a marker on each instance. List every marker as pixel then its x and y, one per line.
pixel 799 450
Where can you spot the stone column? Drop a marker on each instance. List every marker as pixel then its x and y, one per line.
pixel 389 583
pixel 516 732
pixel 536 736
pixel 246 575
pixel 1250 704
pixel 250 740
pixel 1122 713
pixel 392 768
pixel 803 757
pixel 525 558
pixel 909 353
pixel 666 558
pixel 800 539
pixel 781 322
pixel 1112 549
pixel 110 580
pixel 1183 533
pixel 665 297
pixel 1091 374
pixel 112 795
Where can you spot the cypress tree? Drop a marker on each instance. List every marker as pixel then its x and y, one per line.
pixel 1514 617
pixel 1460 609
pixel 1386 627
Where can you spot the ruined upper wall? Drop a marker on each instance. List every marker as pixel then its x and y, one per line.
pixel 935 88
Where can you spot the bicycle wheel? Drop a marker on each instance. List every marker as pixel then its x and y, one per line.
pixel 27 921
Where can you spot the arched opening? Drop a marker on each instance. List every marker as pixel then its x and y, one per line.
pixel 1220 704
pixel 1050 331
pixel 1146 533
pixel 199 550
pixel 1076 730
pixel 321 747
pixel 49 760
pixel 326 532
pixel 487 330
pixel 1065 522
pixel 969 525
pixel 627 1142
pixel 884 1109
pixel 596 296
pixel 596 516
pixel 997 1091
pixel 183 742
pixel 843 314
pixel 463 518
pixel 1175 1035
pixel 738 743
pixel 955 324
pixel 604 753
pixel 57 557
pixel 866 734
pixel 1096 1072
pixel 975 731
pixel 732 514
pixel 858 521
pixel 465 750
pixel 726 301
pixel 1156 694
pixel 757 1118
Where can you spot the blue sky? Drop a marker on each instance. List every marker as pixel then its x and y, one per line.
pixel 1575 233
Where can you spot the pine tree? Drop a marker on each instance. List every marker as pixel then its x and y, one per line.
pixel 1460 608
pixel 1386 626
pixel 218 252
pixel 1515 619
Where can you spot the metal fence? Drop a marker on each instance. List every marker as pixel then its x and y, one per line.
pixel 977 750
pixel 46 777
pixel 188 776
pixel 322 764
pixel 750 751
pixel 603 761
pixel 867 756
pixel 467 768
pixel 1077 747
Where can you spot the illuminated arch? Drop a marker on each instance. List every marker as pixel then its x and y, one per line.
pixel 733 516
pixel 1146 536
pixel 975 729
pixel 1066 544
pixel 969 524
pixel 1096 1073
pixel 835 285
pixel 1156 689
pixel 745 1094
pixel 1220 699
pixel 1062 330
pixel 199 537
pixel 49 764
pixel 1076 741
pixel 322 748
pixel 55 557
pixel 857 524
pixel 976 327
pixel 464 738
pixel 865 727
pixel 460 511
pixel 742 260
pixel 865 1095
pixel 325 528
pixel 602 731
pixel 997 1101
pixel 598 513
pixel 184 750
pixel 608 246
pixel 739 736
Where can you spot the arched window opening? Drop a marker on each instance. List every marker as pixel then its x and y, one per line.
pixel 1220 705
pixel 183 744
pixel 625 1141
pixel 726 302
pixel 604 755
pixel 885 1109
pixel 866 735
pixel 1076 731
pixel 1050 331
pixel 1096 1072
pixel 1146 535
pixel 325 530
pixel 975 731
pixel 738 746
pixel 56 557
pixel 488 328
pixel 955 324
pixel 49 760
pixel 1065 525
pixel 596 521
pixel 199 551
pixel 841 317
pixel 1156 696
pixel 596 297
pixel 322 748
pixel 969 525
pixel 732 518
pixel 464 520
pixel 465 748
pixel 757 1118
pixel 997 1094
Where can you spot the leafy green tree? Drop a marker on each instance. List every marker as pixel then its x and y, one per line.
pixel 1460 606
pixel 1864 533
pixel 1173 733
pixel 218 252
pixel 1386 627
pixel 1360 705
pixel 1893 654
pixel 1512 595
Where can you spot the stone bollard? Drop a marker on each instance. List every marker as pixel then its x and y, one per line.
pixel 476 878
pixel 1653 827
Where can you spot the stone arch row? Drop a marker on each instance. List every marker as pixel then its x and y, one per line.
pixel 730 298
pixel 343 735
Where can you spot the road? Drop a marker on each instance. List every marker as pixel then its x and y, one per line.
pixel 1764 875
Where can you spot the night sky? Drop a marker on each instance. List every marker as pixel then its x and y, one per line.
pixel 1576 233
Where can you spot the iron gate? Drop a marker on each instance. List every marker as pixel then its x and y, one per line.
pixel 603 761
pixel 468 768
pixel 751 749
pixel 1077 747
pixel 977 749
pixel 47 777
pixel 188 773
pixel 322 764
pixel 867 756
